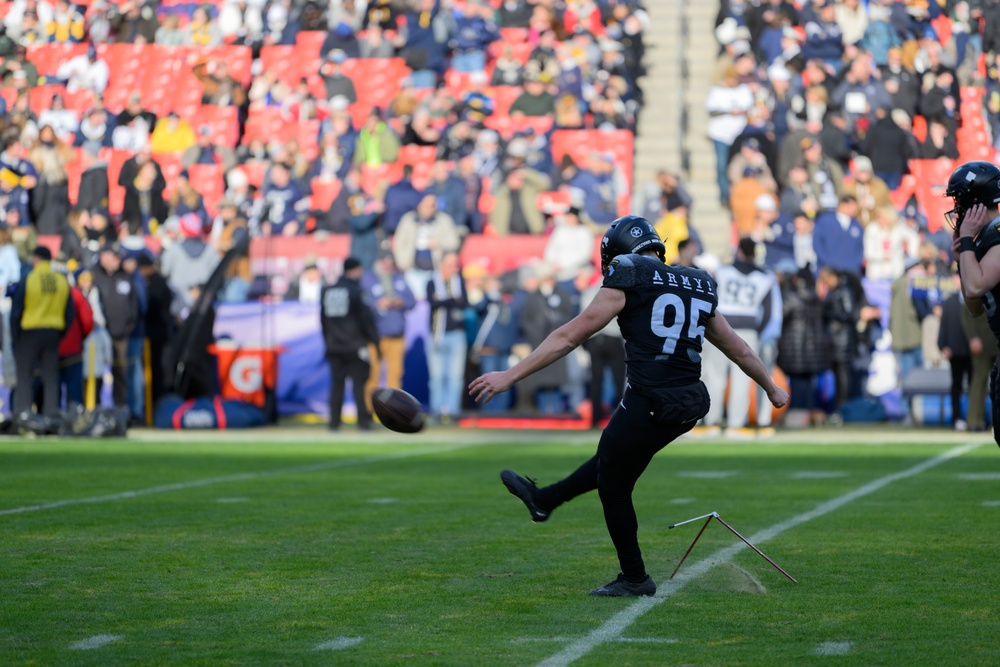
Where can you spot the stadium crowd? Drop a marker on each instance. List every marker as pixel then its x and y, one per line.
pixel 150 137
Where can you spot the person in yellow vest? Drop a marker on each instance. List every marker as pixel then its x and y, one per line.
pixel 42 310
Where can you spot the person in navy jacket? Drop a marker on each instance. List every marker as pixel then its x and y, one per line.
pixel 839 238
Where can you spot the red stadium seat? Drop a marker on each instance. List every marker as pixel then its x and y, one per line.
pixel 920 128
pixel 222 120
pixel 74 173
pixel 554 200
pixel 308 44
pixel 48 57
pixel 503 98
pixel 208 180
pixel 373 179
pixel 514 35
pixel 282 61
pixel 323 193
pixel 40 97
pixel 413 154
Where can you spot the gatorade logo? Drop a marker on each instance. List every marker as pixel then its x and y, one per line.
pixel 246 374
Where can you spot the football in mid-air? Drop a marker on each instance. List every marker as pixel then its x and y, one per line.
pixel 397 410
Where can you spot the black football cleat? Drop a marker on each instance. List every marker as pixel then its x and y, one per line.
pixel 527 491
pixel 622 587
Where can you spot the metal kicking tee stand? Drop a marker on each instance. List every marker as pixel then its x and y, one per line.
pixel 715 515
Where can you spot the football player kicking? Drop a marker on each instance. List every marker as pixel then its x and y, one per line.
pixel 665 313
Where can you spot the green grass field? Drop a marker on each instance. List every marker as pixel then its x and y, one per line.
pixel 310 550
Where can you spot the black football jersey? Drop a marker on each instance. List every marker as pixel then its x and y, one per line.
pixel 664 318
pixel 987 238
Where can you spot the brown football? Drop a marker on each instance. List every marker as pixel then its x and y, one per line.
pixel 397 410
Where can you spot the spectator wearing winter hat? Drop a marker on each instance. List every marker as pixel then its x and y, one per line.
pixel 536 100
pixel 185 199
pixel 206 151
pixel 134 21
pixel 750 156
pixel 871 191
pixel 66 25
pixel 475 30
pixel 95 131
pixel 400 198
pixel 341 38
pixel 283 205
pixel 189 264
pixel 201 30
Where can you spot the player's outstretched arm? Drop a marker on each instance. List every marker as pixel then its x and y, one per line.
pixel 720 334
pixel 605 307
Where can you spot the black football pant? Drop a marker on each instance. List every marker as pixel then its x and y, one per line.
pixel 37 348
pixel 961 371
pixel 627 445
pixel 345 365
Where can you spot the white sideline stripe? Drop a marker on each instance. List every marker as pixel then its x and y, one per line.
pixel 617 624
pixel 979 476
pixel 708 474
pixel 833 648
pixel 991 503
pixel 817 474
pixel 383 501
pixel 227 501
pixel 621 640
pixel 682 501
pixel 97 641
pixel 239 477
pixel 339 644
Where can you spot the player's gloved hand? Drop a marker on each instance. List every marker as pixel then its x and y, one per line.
pixel 778 397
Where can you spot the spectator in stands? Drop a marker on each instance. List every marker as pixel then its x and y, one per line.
pixel 905 323
pixel 595 185
pixel 940 142
pixel 507 69
pixel 664 193
pixel 208 150
pixel 121 311
pixel 889 245
pixel 836 139
pixel 514 14
pixel 546 308
pixel 31 31
pixel 172 134
pixel 60 119
pixel 377 142
pixel 890 145
pixel 71 348
pixel 954 346
pixel 329 164
pixel 374 44
pixel 474 31
pixel 185 199
pixel 803 349
pixel 422 41
pixel 341 37
pixel 188 264
pixel 901 83
pixel 308 287
pixel 338 220
pixel 158 323
pixel 95 131
pixel 94 184
pixel 366 232
pixel 536 100
pixel 515 210
pixel 132 248
pixel 826 179
pixel 14 199
pixel 824 37
pixel 72 247
pixel 871 191
pixel 750 156
pixel 569 249
pixel 472 189
pixel 240 23
pixel 170 33
pixel 446 344
pixel 939 102
pixel 419 131
pixel 283 204
pixel 400 198
pixel 50 200
pixel 983 347
pixel 458 140
pixel 391 299
pixel 86 72
pixel 334 79
pixel 66 25
pixel 421 241
pixel 219 88
pixel 839 238
pixel 846 315
pixel 450 191
pixel 134 21
pixel 727 105
pixel 201 30
pixel 18 62
pixel 496 333
pixel 144 209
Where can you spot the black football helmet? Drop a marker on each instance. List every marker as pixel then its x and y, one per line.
pixel 972 183
pixel 629 234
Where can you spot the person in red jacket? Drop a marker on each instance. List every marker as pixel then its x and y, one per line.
pixel 71 347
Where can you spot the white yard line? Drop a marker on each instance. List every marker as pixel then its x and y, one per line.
pixel 97 641
pixel 833 648
pixel 239 477
pixel 617 624
pixel 339 644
